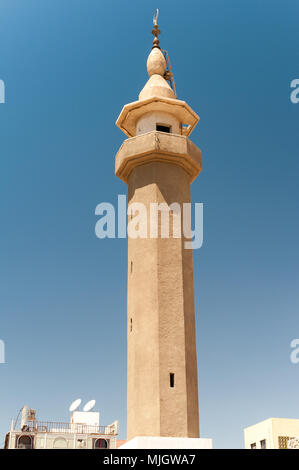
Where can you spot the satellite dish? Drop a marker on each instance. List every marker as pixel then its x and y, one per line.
pixel 75 404
pixel 89 405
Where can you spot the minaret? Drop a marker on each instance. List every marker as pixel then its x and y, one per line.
pixel 159 162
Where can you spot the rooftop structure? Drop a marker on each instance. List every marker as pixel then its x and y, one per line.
pixel 82 432
pixel 273 433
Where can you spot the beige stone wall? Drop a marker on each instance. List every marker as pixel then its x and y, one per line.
pixel 161 323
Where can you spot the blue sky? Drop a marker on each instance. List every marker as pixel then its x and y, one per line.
pixel 69 67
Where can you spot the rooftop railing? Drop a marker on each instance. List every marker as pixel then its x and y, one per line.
pixel 74 428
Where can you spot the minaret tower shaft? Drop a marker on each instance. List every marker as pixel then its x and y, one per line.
pixel 158 162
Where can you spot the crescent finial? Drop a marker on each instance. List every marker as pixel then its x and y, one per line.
pixel 155 18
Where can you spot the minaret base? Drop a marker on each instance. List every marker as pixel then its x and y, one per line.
pixel 157 442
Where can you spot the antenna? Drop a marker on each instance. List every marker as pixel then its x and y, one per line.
pixel 75 404
pixel 16 421
pixel 168 75
pixel 89 405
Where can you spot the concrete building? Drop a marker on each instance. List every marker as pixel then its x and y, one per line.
pixel 82 432
pixel 158 162
pixel 273 433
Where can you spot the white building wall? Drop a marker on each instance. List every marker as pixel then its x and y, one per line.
pixel 270 429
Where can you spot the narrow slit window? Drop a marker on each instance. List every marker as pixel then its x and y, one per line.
pixel 171 380
pixel 131 324
pixel 131 267
pixel 161 128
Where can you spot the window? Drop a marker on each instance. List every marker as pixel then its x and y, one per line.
pixel 171 380
pixel 253 446
pixel 162 128
pixel 25 442
pixel 101 444
pixel 283 442
pixel 131 325
pixel 263 444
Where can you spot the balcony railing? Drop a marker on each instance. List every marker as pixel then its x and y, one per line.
pixel 74 428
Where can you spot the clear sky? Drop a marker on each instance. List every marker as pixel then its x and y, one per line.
pixel 69 66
